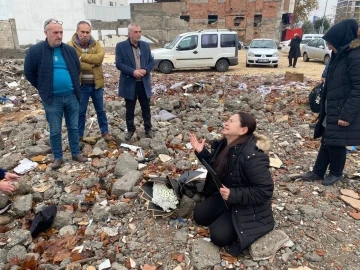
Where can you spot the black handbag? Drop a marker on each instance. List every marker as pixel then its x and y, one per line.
pixel 43 220
pixel 315 98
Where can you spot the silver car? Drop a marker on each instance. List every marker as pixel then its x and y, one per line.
pixel 316 49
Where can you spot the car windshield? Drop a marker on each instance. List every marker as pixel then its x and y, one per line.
pixel 305 41
pixel 172 43
pixel 264 44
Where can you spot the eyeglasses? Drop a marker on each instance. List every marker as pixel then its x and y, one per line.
pixel 52 21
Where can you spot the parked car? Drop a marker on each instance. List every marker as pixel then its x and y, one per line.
pixel 316 49
pixel 204 48
pixel 262 52
pixel 285 45
pixel 312 36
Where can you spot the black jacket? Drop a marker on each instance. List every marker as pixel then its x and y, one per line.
pixel 295 47
pixel 342 92
pixel 38 68
pixel 251 187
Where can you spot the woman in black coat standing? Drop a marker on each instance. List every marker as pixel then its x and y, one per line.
pixel 240 211
pixel 339 118
pixel 294 52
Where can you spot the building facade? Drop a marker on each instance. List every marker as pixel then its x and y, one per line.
pixel 250 18
pixel 346 9
pixel 29 17
pixel 109 3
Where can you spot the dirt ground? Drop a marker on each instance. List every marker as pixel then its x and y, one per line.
pixel 310 69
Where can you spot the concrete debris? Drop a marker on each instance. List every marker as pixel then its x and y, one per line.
pixel 102 209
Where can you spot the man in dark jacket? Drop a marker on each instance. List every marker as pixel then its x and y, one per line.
pixel 53 68
pixel 134 60
pixel 294 52
pixel 339 118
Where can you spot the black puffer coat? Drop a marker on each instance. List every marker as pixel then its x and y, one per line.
pixel 342 92
pixel 251 187
pixel 295 47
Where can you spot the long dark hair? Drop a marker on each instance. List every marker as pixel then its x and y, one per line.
pixel 246 120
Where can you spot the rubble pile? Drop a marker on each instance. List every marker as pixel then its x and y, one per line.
pixel 15 91
pixel 103 222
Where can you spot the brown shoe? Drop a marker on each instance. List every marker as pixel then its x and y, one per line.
pixel 108 137
pixel 56 164
pixel 79 158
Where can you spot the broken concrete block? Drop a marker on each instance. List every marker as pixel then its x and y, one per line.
pixel 126 183
pixel 265 247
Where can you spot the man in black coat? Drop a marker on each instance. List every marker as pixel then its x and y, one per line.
pixel 339 118
pixel 294 52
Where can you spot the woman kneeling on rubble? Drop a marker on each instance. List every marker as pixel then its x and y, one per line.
pixel 247 187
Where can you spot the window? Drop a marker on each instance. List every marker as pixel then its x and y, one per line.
pixel 209 41
pixel 227 40
pixel 305 41
pixel 312 43
pixel 320 43
pixel 263 44
pixel 238 20
pixel 186 18
pixel 212 19
pixel 257 20
pixel 188 43
pixel 92 1
pixel 111 4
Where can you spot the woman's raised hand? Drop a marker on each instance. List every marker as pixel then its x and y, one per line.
pixel 198 146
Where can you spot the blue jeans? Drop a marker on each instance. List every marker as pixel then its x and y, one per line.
pixel 67 106
pixel 87 91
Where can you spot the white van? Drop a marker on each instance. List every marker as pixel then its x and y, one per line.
pixel 203 48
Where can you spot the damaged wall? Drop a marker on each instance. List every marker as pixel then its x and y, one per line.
pixel 250 18
pixel 8 35
pixel 160 21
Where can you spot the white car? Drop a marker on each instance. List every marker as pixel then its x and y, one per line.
pixel 262 52
pixel 318 50
pixel 285 48
pixel 285 45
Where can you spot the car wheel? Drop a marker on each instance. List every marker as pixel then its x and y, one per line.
pixel 305 57
pixel 222 65
pixel 165 67
pixel 247 65
pixel 326 59
pixel 275 66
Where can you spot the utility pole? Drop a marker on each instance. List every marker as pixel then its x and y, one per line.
pixel 323 18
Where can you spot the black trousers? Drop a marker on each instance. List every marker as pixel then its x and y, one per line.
pixel 332 156
pixel 291 62
pixel 140 95
pixel 213 213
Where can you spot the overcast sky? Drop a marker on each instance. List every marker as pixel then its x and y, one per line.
pixel 330 10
